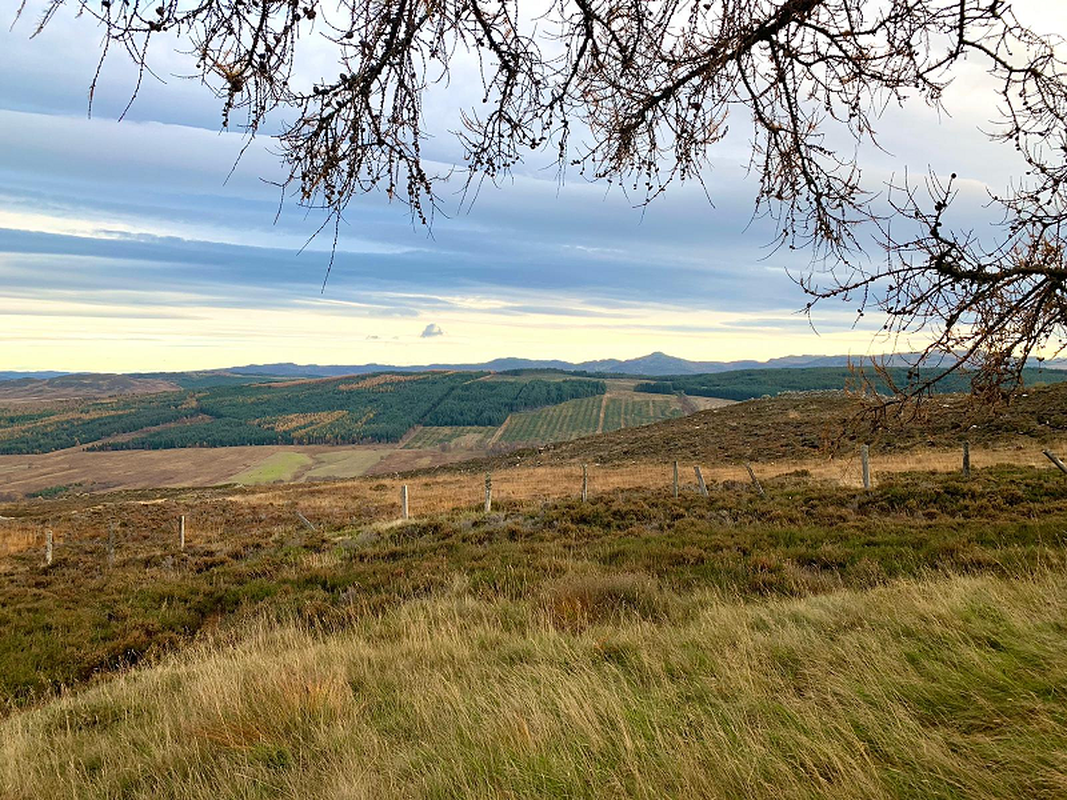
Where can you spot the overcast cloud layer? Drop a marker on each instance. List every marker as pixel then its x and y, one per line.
pixel 123 247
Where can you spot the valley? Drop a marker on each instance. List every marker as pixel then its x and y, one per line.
pixel 253 432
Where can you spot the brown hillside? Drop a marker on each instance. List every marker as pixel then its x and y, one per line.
pixel 74 387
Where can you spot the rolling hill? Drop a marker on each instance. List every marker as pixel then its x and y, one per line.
pixel 79 386
pixel 278 429
pixel 249 430
pixel 747 384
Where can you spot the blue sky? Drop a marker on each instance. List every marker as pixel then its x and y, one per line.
pixel 123 247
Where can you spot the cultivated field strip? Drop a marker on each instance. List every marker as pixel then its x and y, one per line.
pixel 570 420
pixel 578 418
pixel 631 412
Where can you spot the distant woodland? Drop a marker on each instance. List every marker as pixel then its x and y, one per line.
pixel 353 410
pixel 748 384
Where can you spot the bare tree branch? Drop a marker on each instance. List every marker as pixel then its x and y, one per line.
pixel 649 87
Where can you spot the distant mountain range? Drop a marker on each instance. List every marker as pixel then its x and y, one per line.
pixel 654 364
pixel 650 365
pixel 14 376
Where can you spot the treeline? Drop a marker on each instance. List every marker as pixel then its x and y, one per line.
pixel 373 411
pixel 751 383
pixel 486 403
pixel 9 418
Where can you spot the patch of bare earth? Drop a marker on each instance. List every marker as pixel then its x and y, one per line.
pixel 692 403
pixel 185 467
pixel 128 469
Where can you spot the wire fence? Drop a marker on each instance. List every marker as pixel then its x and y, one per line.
pixel 113 531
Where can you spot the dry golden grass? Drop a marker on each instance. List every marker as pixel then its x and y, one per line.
pixel 937 688
pixel 624 647
pixel 17 536
pixel 338 502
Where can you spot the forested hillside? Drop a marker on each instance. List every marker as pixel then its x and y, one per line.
pixel 350 410
pixel 56 427
pixel 747 384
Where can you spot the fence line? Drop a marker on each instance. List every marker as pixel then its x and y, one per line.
pixel 335 505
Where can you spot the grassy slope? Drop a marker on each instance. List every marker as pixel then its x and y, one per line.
pixel 944 688
pixel 820 641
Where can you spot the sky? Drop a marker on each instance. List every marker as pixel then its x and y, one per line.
pixel 124 246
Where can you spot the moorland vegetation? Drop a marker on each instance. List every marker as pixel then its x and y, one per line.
pixel 911 636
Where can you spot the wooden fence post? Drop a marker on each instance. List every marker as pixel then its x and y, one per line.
pixel 1052 457
pixel 703 487
pixel 675 478
pixel 404 501
pixel 48 546
pixel 181 532
pixel 755 480
pixel 111 544
pixel 488 492
pixel 310 526
pixel 585 483
pixel 865 459
pixel 966 459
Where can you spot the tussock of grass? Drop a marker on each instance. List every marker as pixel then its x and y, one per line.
pixel 576 601
pixel 939 688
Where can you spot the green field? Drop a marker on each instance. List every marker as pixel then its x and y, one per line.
pixel 349 463
pixel 278 467
pixel 578 418
pixel 569 420
pixel 467 437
